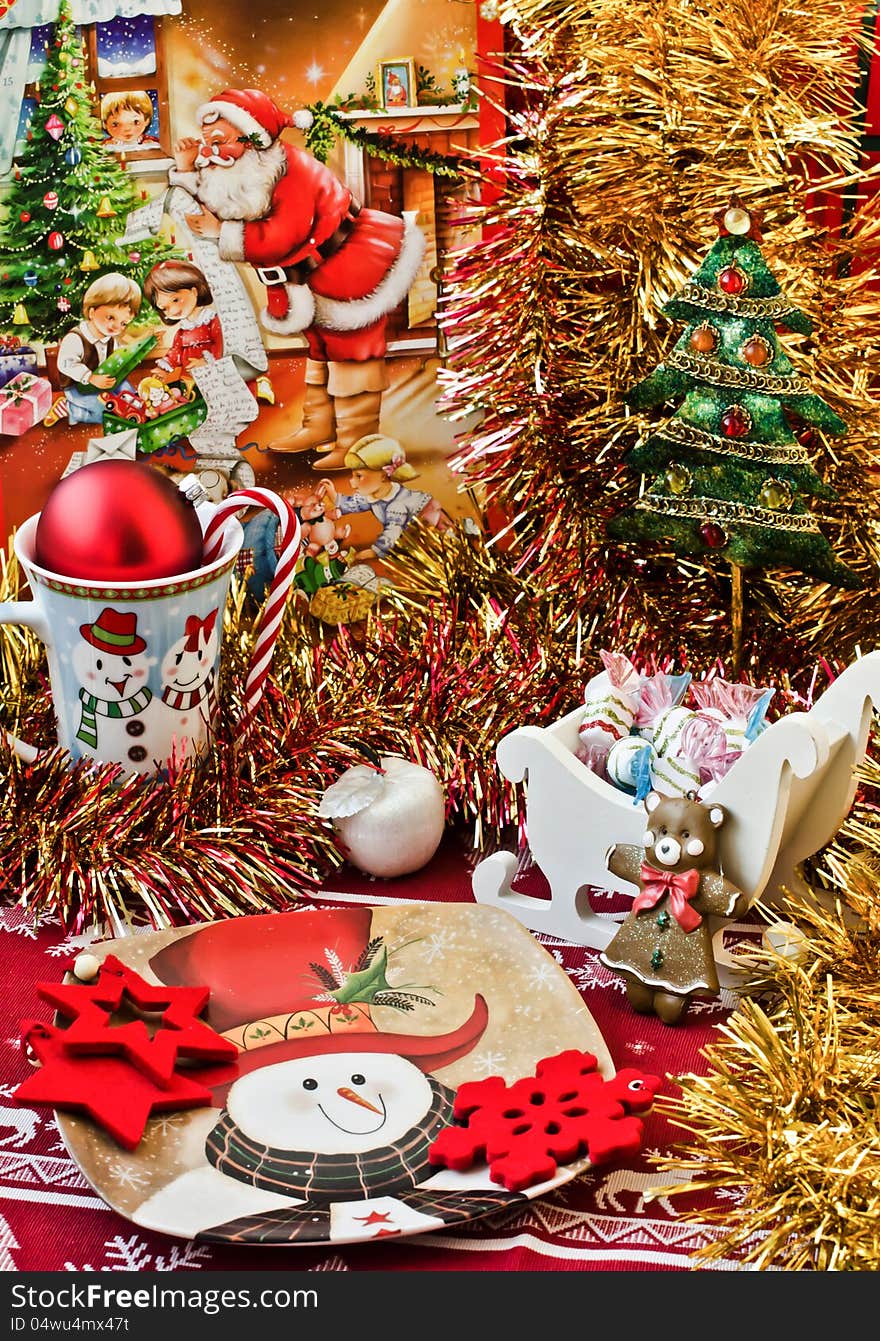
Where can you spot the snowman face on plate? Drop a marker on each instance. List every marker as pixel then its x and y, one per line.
pixel 345 1103
pixel 108 676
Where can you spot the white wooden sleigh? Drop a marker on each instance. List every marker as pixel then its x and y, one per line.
pixel 785 798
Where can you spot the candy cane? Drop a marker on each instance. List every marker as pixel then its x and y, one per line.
pixel 273 613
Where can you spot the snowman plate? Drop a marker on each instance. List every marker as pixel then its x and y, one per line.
pixel 355 1027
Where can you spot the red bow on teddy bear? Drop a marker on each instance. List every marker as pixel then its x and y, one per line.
pixel 681 885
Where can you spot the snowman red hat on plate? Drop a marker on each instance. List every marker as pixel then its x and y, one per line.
pixel 326 1120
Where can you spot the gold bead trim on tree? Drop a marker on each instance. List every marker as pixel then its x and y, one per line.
pixel 774 309
pixel 724 511
pixel 772 453
pixel 719 375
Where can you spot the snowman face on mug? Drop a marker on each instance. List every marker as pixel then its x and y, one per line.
pixel 188 662
pixel 343 1103
pixel 110 676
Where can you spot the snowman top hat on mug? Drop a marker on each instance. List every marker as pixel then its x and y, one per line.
pixel 134 662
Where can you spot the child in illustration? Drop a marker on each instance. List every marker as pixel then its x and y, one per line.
pixel 112 668
pixel 181 295
pixel 125 118
pixel 258 553
pixel 378 468
pixel 109 305
pixel 189 694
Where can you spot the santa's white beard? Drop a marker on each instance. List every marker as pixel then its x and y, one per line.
pixel 243 190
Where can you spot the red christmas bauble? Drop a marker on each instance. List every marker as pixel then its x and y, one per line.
pixel 731 280
pixel 713 535
pixel 25 216
pixel 118 521
pixel 55 241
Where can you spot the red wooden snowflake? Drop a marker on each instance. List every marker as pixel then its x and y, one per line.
pixel 526 1130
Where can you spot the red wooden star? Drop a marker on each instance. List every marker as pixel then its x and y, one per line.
pixel 180 1032
pixel 115 1095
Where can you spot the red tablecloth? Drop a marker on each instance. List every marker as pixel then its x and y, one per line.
pixel 51 1220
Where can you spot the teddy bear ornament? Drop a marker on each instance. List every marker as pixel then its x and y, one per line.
pixel 663 949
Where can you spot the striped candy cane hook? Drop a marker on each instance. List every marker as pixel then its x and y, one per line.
pixel 273 613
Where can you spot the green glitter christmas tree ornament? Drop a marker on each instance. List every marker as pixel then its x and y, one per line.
pixel 730 471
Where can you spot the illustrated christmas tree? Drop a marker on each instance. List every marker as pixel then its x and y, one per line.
pixel 64 213
pixel 730 471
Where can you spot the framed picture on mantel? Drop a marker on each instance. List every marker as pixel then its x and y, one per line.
pixel 396 83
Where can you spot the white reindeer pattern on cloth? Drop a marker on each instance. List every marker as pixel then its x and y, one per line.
pixel 19 1125
pixel 642 1182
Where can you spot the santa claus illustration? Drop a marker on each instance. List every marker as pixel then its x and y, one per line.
pixel 332 270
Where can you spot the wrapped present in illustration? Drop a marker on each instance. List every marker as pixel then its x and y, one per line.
pixel 123 361
pixel 15 358
pixel 23 403
pixel 180 412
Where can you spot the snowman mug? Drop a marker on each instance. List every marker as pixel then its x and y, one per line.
pixel 132 665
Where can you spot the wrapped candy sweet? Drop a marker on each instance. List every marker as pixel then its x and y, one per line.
pixel 658 694
pixel 688 756
pixel 630 765
pixel 611 699
pixel 741 709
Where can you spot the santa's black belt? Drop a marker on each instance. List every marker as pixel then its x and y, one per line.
pixel 299 273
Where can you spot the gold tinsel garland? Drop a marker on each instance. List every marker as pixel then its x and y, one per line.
pixel 632 124
pixel 439 681
pixel 786 1116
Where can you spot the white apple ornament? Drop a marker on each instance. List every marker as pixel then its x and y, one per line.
pixel 390 819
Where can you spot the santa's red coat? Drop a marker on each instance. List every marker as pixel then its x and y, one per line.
pixel 351 293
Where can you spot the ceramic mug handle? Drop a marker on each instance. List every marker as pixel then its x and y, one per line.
pixel 29 614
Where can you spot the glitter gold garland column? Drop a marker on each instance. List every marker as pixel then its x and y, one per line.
pixel 633 125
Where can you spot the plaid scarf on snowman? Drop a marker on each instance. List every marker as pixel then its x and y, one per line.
pixel 311 1176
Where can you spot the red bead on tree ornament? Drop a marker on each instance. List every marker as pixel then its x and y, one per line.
pixel 118 521
pixel 735 422
pixel 731 280
pixel 25 216
pixel 713 535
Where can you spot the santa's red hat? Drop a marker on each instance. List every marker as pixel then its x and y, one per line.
pixel 250 111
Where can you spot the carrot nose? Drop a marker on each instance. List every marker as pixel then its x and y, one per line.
pixel 345 1093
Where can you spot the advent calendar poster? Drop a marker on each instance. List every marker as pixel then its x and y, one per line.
pixel 222 239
